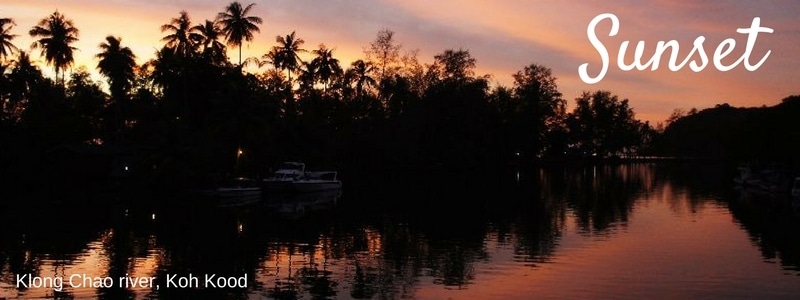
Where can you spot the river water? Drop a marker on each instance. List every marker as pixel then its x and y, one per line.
pixel 628 231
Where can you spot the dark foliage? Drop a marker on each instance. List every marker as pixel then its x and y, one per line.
pixel 764 134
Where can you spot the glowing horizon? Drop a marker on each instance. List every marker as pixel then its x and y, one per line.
pixel 503 36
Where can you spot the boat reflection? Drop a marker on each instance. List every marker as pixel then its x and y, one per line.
pixel 297 205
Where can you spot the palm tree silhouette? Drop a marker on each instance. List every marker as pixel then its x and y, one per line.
pixel 286 53
pixel 360 70
pixel 237 25
pixel 326 65
pixel 56 33
pixel 6 47
pixel 266 59
pixel 307 76
pixel 212 47
pixel 184 38
pixel 117 64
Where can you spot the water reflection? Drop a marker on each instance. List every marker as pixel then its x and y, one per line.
pixel 772 224
pixel 442 236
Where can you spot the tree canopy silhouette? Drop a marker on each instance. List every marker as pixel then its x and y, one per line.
pixel 602 124
pixel 117 64
pixel 182 38
pixel 286 55
pixel 213 49
pixel 56 33
pixel 6 46
pixel 238 25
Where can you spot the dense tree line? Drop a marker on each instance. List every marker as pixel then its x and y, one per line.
pixel 190 112
pixel 765 135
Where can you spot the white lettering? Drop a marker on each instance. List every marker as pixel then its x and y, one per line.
pixel 583 71
pixel 722 50
pixel 752 35
pixel 189 281
pixel 28 281
pixel 133 282
pixel 213 281
pixel 83 281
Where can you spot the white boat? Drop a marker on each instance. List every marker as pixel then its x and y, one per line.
pixel 293 177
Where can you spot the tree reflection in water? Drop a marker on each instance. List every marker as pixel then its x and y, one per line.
pixel 384 240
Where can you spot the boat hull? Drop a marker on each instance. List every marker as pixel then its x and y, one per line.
pixel 301 186
pixel 225 197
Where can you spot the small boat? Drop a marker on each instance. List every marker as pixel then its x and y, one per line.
pixel 765 180
pixel 746 177
pixel 240 191
pixel 293 177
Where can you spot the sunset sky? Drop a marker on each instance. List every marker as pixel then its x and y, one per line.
pixel 504 36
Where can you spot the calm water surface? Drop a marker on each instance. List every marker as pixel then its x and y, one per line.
pixel 626 231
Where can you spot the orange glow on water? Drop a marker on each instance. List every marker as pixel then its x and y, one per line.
pixel 682 257
pixel 92 263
